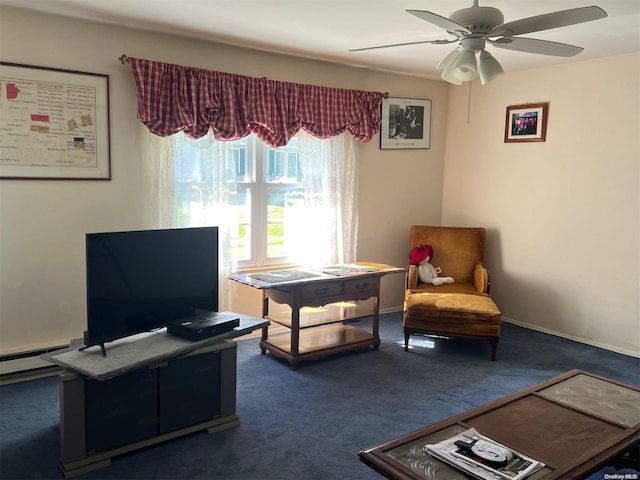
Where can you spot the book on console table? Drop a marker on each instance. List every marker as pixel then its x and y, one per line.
pixel 347 268
pixel 484 458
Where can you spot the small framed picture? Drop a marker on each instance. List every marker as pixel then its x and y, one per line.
pixel 406 123
pixel 526 123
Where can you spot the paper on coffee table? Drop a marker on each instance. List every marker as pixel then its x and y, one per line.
pixel 347 268
pixel 508 464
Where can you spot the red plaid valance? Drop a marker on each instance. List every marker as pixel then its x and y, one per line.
pixel 173 98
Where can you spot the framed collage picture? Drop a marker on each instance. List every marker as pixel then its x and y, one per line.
pixel 55 124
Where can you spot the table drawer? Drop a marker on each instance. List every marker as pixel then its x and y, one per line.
pixel 360 285
pixel 321 289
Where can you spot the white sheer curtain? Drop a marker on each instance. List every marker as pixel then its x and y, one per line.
pixel 330 222
pixel 326 230
pixel 160 155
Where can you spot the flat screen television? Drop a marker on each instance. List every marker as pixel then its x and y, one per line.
pixel 139 281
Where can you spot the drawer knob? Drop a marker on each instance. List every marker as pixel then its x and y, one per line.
pixel 361 286
pixel 321 291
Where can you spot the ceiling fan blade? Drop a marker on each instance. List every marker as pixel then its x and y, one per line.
pixel 548 21
pixel 437 42
pixel 440 21
pixel 532 45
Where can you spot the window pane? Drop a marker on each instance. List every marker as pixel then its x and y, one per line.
pixel 240 159
pixel 283 165
pixel 285 205
pixel 240 202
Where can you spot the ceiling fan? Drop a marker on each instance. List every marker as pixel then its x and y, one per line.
pixel 473 27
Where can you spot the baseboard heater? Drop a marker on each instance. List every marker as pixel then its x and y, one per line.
pixel 24 361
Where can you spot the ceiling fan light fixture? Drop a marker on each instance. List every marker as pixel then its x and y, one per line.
pixel 465 67
pixel 488 68
pixel 448 77
pixel 447 60
pixel 447 63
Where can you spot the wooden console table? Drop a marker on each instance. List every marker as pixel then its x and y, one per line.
pixel 150 388
pixel 322 305
pixel 575 423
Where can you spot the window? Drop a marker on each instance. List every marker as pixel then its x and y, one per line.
pixel 264 193
pixel 275 206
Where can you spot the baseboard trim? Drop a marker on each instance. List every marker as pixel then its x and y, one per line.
pixel 390 310
pixel 27 375
pixel 555 333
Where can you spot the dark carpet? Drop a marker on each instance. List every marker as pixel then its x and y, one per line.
pixel 309 424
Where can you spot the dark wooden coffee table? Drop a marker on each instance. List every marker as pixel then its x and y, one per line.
pixel 575 423
pixel 320 309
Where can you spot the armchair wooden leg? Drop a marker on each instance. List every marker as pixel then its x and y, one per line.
pixel 406 340
pixel 494 348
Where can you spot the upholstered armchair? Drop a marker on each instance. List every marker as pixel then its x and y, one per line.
pixel 462 309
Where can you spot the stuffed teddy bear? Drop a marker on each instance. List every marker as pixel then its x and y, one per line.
pixel 427 273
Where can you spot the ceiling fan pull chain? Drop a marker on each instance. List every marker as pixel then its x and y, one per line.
pixel 469 105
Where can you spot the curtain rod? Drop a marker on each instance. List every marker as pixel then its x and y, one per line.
pixel 124 60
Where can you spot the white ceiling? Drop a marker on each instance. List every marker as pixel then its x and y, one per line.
pixel 328 29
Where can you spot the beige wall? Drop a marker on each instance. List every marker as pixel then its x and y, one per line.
pixel 564 215
pixel 43 223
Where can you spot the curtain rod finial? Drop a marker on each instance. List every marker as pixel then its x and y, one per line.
pixel 124 59
pixel 386 95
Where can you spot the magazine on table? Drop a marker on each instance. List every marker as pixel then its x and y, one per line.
pixel 347 268
pixel 484 458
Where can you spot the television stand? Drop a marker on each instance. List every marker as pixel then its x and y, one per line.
pixel 143 394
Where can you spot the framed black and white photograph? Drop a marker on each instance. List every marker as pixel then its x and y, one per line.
pixel 54 124
pixel 526 123
pixel 406 123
